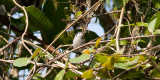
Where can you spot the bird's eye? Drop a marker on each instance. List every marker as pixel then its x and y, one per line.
pixel 79 33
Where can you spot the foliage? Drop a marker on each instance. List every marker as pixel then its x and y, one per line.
pixel 132 53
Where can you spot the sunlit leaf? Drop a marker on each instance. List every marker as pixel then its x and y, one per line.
pixel 157 31
pixel 71 74
pixel 112 42
pixel 66 64
pixel 89 51
pixel 79 59
pixel 142 58
pixel 86 51
pixel 101 57
pixel 137 41
pixel 109 63
pixel 123 42
pixel 155 20
pixel 92 49
pixel 97 42
pixel 139 24
pixel 78 13
pixel 88 74
pixel 157 5
pixel 21 62
pixel 151 25
pixel 60 75
pixel 38 78
pixel 96 65
pixel 131 62
pixel 35 53
pixel 128 65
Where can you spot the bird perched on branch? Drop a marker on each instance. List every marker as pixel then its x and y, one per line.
pixel 78 41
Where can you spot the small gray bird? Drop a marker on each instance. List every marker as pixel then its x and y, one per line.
pixel 78 41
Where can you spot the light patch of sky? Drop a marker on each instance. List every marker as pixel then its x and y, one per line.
pixel 109 8
pixel 95 27
pixel 17 15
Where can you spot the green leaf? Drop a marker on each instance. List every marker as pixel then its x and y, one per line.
pixel 66 64
pixel 157 31
pixel 137 41
pixel 60 75
pixel 56 13
pixel 123 42
pixel 92 49
pixel 130 62
pixel 39 21
pixel 101 57
pixel 8 4
pixel 109 63
pixel 88 74
pixel 90 36
pixel 127 66
pixel 155 73
pixel 154 22
pixel 79 59
pixel 151 25
pixel 157 5
pixel 103 73
pixel 50 55
pixel 35 53
pixel 93 63
pixel 38 78
pixel 141 24
pixel 71 74
pixel 78 13
pixel 97 42
pixel 21 62
pixel 120 3
pixel 112 42
pixel 133 74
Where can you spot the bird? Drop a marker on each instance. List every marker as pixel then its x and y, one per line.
pixel 78 41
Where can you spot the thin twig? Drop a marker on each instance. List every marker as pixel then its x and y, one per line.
pixel 117 11
pixel 158 46
pixel 149 4
pixel 4 47
pixel 28 78
pixel 136 6
pixel 26 27
pixel 61 47
pixel 7 34
pixel 4 39
pixel 119 29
